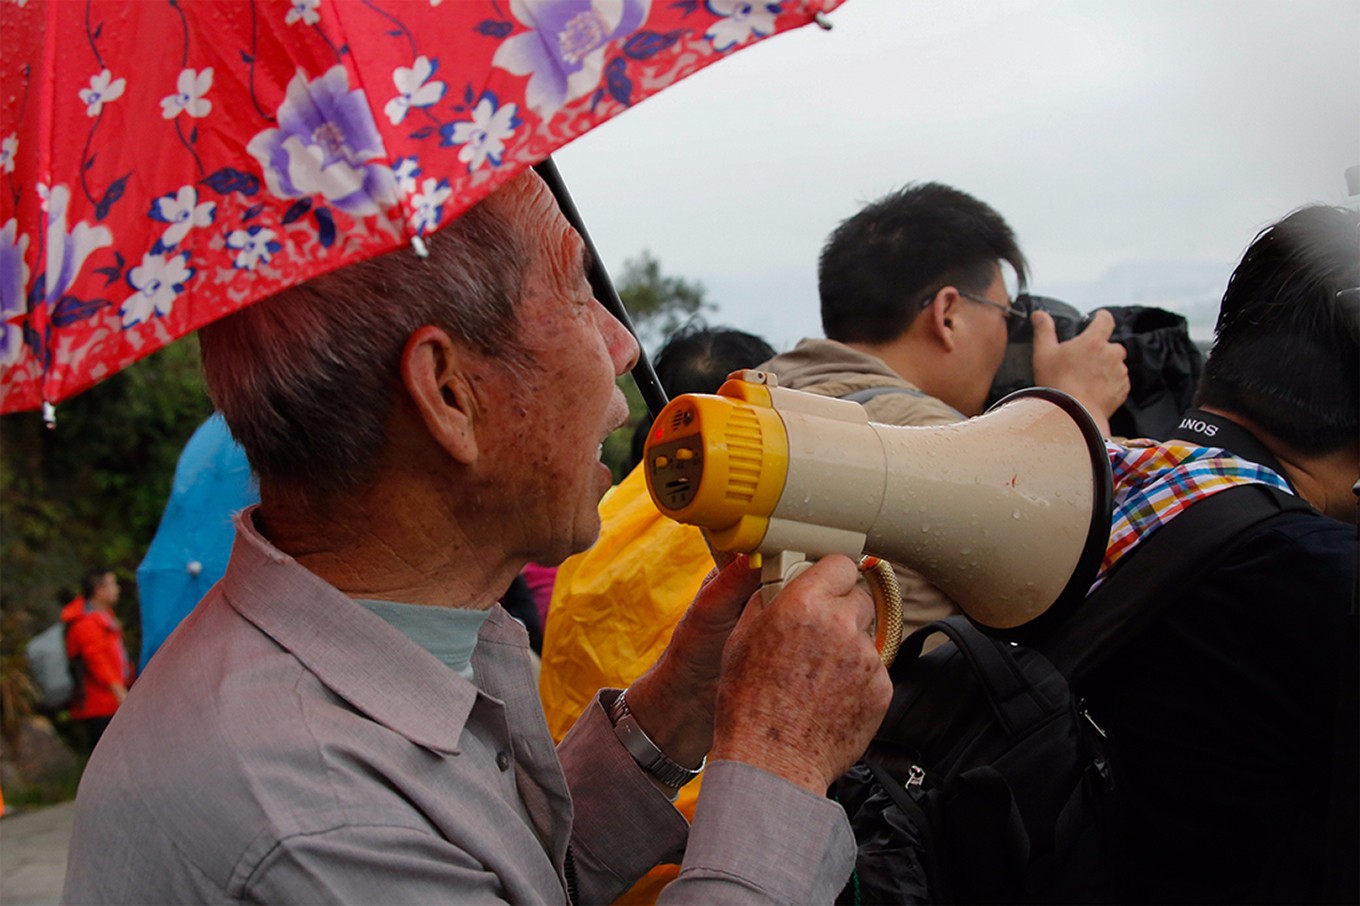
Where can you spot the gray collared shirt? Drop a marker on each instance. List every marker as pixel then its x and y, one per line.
pixel 287 745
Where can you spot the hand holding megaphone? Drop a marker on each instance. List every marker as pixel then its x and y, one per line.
pixel 1007 513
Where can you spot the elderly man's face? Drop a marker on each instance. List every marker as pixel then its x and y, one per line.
pixel 550 425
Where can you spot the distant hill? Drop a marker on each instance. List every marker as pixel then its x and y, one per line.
pixel 1190 288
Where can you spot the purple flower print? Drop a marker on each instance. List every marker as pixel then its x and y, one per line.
pixel 563 54
pixel 323 144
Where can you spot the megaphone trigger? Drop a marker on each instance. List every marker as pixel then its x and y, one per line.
pixel 778 568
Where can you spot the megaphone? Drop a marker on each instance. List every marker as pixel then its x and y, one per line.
pixel 1007 513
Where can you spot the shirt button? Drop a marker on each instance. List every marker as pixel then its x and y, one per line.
pixel 503 761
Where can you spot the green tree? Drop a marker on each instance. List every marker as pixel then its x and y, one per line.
pixel 656 302
pixel 90 492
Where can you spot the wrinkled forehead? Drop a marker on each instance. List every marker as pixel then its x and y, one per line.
pixel 527 204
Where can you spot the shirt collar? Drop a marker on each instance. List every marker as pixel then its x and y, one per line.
pixel 355 653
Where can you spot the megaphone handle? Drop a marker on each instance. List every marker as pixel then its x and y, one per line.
pixel 887 594
pixel 883 585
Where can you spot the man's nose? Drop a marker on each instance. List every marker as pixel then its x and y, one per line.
pixel 622 345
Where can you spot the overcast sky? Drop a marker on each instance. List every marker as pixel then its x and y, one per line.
pixel 1136 146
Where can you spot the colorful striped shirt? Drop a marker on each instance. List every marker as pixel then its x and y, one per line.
pixel 1154 482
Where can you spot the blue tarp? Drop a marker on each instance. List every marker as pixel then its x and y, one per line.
pixel 189 553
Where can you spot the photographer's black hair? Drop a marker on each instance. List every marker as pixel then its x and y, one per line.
pixel 876 267
pixel 1286 350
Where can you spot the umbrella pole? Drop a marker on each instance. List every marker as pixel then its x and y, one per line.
pixel 653 394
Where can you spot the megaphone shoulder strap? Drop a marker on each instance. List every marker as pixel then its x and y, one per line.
pixel 1149 580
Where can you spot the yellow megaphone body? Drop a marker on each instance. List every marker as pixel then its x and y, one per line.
pixel 1007 513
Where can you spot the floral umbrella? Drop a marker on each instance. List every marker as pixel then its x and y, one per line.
pixel 166 162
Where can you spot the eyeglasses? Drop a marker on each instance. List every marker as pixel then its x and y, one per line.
pixel 1010 311
pixel 1017 313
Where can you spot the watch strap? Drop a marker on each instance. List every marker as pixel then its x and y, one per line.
pixel 646 753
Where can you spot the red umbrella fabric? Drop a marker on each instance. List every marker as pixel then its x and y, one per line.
pixel 166 162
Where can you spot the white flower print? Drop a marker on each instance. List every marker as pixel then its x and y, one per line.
pixel 415 89
pixel 103 88
pixel 484 138
pixel 255 245
pixel 9 149
pixel 189 95
pixel 183 212
pixel 158 280
pixel 742 19
pixel 428 204
pixel 406 171
pixel 304 10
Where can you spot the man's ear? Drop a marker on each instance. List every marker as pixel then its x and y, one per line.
pixel 937 319
pixel 433 376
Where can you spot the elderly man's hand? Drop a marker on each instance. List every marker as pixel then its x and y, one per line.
pixel 1088 367
pixel 674 701
pixel 803 688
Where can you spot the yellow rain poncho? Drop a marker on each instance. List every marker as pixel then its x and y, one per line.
pixel 613 610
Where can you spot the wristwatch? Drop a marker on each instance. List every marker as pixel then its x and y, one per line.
pixel 646 753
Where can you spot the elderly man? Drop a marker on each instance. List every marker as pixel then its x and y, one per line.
pixel 349 716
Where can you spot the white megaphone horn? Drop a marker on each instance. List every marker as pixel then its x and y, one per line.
pixel 1007 513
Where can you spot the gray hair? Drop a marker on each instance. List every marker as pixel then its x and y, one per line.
pixel 305 379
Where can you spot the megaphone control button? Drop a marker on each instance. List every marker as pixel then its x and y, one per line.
pixel 684 454
pixel 661 462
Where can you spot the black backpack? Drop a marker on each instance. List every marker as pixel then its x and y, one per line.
pixel 988 780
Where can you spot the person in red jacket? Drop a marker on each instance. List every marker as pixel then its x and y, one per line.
pixel 99 660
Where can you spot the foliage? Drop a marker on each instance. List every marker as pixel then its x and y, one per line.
pixel 57 784
pixel 89 492
pixel 657 303
pixel 618 445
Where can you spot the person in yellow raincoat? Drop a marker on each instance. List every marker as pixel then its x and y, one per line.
pixel 615 605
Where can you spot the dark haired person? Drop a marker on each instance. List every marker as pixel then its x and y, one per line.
pixel 1221 713
pixel 913 297
pixel 349 716
pixel 99 660
pixel 917 315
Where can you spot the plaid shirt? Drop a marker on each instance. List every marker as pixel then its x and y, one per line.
pixel 1154 482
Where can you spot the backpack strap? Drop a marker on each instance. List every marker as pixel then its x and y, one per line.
pixel 1142 585
pixel 868 393
pixel 1009 692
